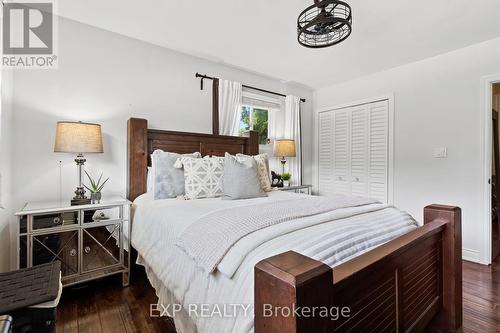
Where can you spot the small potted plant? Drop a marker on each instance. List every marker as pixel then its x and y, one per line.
pixel 95 188
pixel 286 178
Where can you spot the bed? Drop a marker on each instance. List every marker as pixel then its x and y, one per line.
pixel 369 258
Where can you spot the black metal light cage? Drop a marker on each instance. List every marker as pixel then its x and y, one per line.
pixel 325 23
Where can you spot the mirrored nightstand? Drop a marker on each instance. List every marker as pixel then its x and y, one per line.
pixel 306 189
pixel 91 241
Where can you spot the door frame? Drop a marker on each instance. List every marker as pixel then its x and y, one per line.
pixel 390 154
pixel 487 83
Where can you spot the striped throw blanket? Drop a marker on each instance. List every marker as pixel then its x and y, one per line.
pixel 208 239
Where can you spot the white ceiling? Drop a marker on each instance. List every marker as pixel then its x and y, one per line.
pixel 260 35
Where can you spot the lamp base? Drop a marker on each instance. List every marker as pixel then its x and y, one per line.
pixel 80 197
pixel 78 202
pixel 283 162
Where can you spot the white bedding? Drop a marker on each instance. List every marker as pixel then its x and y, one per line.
pixel 159 223
pixel 212 236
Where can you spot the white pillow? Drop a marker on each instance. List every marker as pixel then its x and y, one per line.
pixel 202 176
pixel 263 169
pixel 149 182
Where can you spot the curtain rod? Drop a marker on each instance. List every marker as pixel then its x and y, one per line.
pixel 202 76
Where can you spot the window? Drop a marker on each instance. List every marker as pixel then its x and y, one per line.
pixel 255 119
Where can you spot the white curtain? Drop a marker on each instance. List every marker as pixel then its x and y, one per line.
pixel 285 124
pixel 229 107
pixel 292 131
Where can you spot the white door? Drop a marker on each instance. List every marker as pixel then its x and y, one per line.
pixel 378 152
pixel 353 146
pixel 359 177
pixel 341 180
pixel 325 152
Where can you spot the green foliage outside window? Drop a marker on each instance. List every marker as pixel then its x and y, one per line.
pixel 260 123
pixel 255 119
pixel 245 119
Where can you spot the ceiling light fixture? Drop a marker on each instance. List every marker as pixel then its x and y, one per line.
pixel 326 23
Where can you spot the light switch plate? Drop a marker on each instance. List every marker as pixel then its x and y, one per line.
pixel 440 152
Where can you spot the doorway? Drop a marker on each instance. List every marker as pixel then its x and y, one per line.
pixel 495 172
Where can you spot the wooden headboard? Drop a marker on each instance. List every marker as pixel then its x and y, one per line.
pixel 142 142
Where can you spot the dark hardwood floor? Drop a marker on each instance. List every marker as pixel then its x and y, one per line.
pixel 481 296
pixel 104 306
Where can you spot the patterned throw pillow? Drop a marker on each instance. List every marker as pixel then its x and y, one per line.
pixel 202 176
pixel 263 168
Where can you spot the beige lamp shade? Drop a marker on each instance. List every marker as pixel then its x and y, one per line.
pixel 285 148
pixel 78 137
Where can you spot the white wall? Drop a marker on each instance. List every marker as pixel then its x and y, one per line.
pixel 437 104
pixel 106 78
pixel 5 172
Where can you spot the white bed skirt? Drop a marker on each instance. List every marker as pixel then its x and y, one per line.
pixel 182 321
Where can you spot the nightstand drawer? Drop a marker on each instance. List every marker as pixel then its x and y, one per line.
pixel 102 214
pixel 55 220
pixel 23 224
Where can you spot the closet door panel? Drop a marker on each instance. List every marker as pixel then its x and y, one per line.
pixel 341 144
pixel 358 150
pixel 325 152
pixel 378 150
pixel 353 151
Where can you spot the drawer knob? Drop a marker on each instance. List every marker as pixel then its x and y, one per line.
pixel 57 220
pixel 87 249
pixel 72 252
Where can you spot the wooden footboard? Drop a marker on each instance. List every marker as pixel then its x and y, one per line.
pixel 411 284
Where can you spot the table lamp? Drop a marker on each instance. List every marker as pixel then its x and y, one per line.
pixel 284 148
pixel 79 138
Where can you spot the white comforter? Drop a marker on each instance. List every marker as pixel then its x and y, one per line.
pixel 159 223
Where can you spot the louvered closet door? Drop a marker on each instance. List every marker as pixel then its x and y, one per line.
pixel 378 150
pixel 358 150
pixel 353 151
pixel 341 172
pixel 325 151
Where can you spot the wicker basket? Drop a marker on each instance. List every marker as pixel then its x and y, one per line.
pixel 31 296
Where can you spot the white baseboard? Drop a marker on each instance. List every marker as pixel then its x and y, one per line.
pixel 471 255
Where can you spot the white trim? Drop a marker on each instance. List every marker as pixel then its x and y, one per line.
pixel 276 103
pixel 261 97
pixel 390 180
pixel 486 156
pixel 471 255
pixel 387 97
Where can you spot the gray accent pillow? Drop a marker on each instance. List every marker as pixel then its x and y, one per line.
pixel 168 181
pixel 263 169
pixel 241 179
